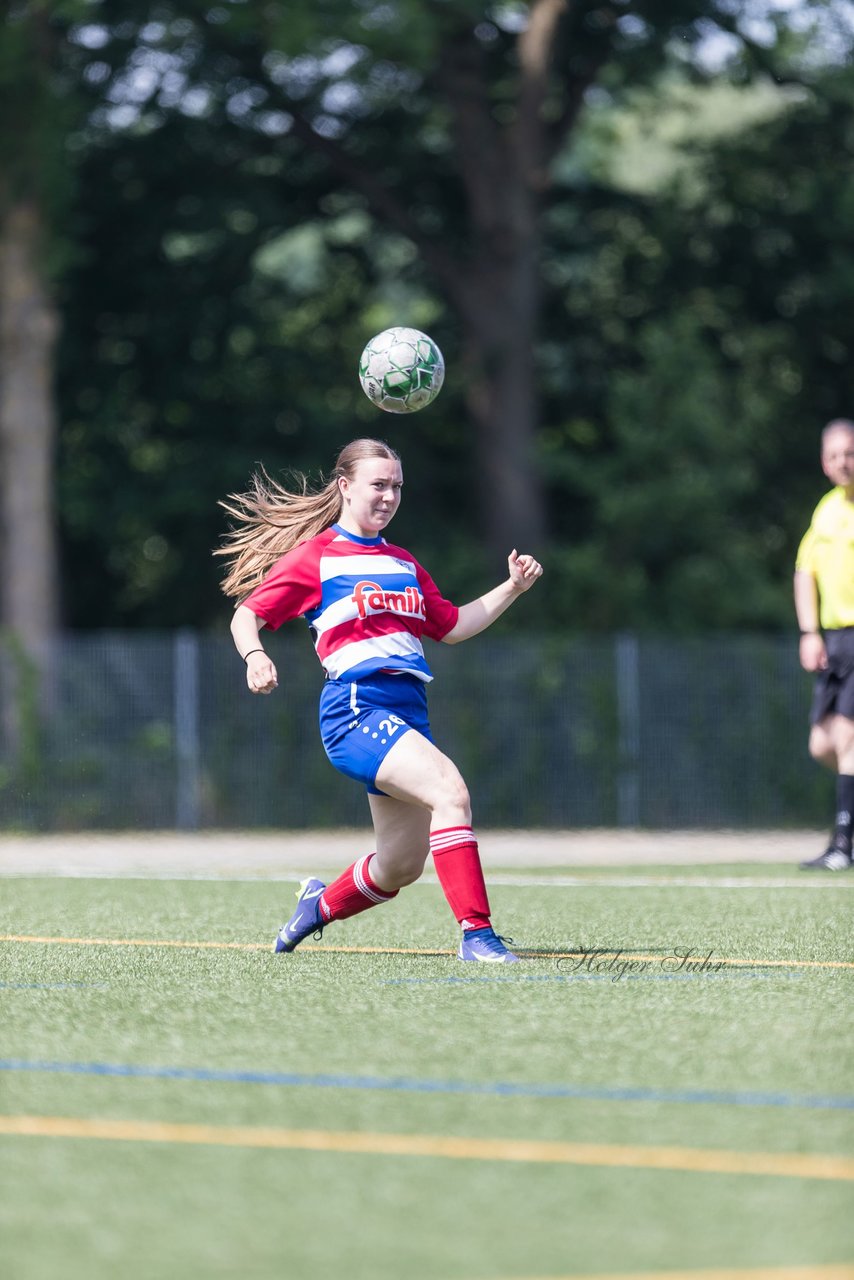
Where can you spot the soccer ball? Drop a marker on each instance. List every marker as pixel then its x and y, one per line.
pixel 401 370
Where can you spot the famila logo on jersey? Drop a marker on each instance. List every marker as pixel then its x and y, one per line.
pixel 369 597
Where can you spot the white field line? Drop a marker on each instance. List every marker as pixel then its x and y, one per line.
pixel 521 880
pixel 276 852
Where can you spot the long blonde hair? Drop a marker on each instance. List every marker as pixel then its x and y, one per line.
pixel 270 519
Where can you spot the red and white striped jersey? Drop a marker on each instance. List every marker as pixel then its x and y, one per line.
pixel 367 603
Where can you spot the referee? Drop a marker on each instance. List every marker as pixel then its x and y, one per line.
pixel 824 602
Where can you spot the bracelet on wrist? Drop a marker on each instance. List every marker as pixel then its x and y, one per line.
pixel 251 651
pixel 810 633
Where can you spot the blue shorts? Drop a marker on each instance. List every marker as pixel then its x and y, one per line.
pixel 361 721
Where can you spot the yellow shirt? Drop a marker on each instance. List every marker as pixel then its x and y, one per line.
pixel 827 552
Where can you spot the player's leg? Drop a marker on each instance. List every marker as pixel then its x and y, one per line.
pixel 402 833
pixel 832 743
pixel 416 772
pixel 427 807
pixel 356 744
pixel 821 745
pixel 842 736
pixel 357 889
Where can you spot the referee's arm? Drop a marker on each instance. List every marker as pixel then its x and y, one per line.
pixel 812 652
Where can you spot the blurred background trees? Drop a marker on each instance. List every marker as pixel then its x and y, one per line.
pixel 627 226
pixel 35 187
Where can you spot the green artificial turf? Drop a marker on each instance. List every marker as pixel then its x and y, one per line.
pixel 384 1042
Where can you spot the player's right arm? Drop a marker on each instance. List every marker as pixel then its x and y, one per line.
pixel 290 589
pixel 811 650
pixel 246 627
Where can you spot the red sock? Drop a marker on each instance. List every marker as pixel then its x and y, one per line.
pixel 352 892
pixel 457 863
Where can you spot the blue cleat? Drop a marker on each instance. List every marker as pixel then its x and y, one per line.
pixel 486 946
pixel 305 920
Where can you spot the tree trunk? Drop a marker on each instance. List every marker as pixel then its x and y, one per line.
pixel 29 603
pixel 504 172
pixel 501 318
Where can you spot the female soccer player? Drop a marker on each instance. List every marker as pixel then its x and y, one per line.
pixel 320 554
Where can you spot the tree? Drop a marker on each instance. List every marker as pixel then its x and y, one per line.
pixel 30 142
pixel 715 337
pixel 443 122
pixel 259 189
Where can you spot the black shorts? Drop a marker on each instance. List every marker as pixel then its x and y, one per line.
pixel 834 688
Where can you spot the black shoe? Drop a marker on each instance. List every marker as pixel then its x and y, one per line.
pixel 833 859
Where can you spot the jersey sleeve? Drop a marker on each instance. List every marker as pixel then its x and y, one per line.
pixel 805 559
pixel 441 615
pixel 290 589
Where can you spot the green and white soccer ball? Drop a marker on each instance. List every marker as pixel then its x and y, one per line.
pixel 401 370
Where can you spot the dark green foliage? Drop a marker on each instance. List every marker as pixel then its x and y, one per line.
pixel 226 275
pixel 708 343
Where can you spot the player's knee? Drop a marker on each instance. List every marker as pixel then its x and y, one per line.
pixel 456 796
pixel 402 868
pixel 821 748
pixel 407 867
pixel 409 873
pixel 843 740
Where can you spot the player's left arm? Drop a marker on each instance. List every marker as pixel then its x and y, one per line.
pixel 481 613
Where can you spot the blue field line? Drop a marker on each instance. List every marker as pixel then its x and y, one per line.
pixel 404 1084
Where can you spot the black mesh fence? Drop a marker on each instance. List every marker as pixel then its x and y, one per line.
pixel 146 731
